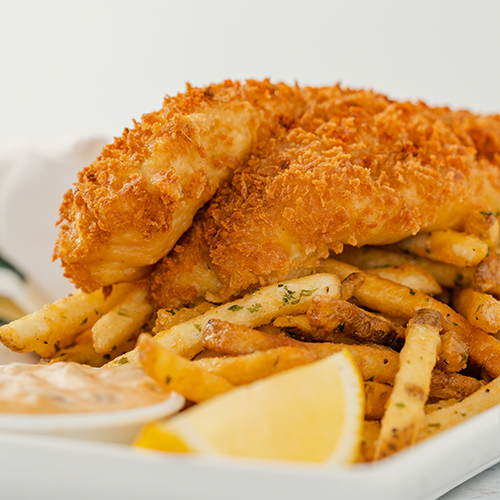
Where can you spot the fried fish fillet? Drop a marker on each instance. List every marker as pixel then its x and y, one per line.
pixel 131 205
pixel 355 169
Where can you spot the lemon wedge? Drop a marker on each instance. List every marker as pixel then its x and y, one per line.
pixel 311 413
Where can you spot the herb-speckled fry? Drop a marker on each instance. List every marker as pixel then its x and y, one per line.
pixel 55 325
pixel 256 308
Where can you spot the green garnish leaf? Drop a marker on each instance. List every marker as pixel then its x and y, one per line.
pixel 254 308
pixel 235 308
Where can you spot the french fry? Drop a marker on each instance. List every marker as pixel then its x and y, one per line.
pixel 403 418
pixel 367 257
pixel 484 225
pixel 168 317
pixel 450 415
pixel 410 275
pixel 231 339
pixel 55 325
pixel 481 309
pixel 452 247
pixel 122 321
pixel 393 299
pixel 300 328
pixel 375 364
pixel 371 430
pixel 330 315
pixel 247 368
pixel 350 284
pixel 452 385
pixel 82 351
pixel 257 308
pixel 172 372
pixel 486 277
pixel 376 398
pixel 453 354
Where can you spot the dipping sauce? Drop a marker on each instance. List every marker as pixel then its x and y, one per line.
pixel 67 387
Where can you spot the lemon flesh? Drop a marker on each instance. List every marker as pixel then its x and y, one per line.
pixel 311 413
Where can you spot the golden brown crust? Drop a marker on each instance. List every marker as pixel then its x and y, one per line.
pixel 356 169
pixel 140 195
pixel 329 167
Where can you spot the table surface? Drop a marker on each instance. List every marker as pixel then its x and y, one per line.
pixel 483 486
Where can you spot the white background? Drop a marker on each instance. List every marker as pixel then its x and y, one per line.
pixel 88 67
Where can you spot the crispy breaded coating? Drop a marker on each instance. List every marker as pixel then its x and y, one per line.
pixel 357 169
pixel 131 205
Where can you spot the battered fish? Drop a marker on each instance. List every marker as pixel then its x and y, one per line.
pixel 132 204
pixel 356 169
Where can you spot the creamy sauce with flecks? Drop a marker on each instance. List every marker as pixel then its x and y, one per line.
pixel 72 388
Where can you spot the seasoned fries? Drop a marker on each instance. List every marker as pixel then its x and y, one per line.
pixel 403 418
pixel 56 325
pixel 425 365
pixel 452 247
pixel 175 373
pixel 481 309
pixel 450 415
pixel 410 275
pixel 255 309
pixel 332 316
pixel 393 299
pixel 121 322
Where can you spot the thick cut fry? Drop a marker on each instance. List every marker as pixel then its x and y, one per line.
pixel 172 372
pixel 453 354
pixel 452 247
pixel 481 309
pixel 300 328
pixel 452 385
pixel 448 416
pixel 393 299
pixel 403 418
pixel 167 318
pixel 487 276
pixel 125 319
pixel 410 275
pixel 82 351
pixel 371 431
pixel 257 308
pixel 376 398
pixel 239 370
pixel 379 365
pixel 55 326
pixel 484 224
pixel 350 284
pixel 371 258
pixel 231 339
pixel 332 315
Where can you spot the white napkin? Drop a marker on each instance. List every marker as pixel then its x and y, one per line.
pixel 33 179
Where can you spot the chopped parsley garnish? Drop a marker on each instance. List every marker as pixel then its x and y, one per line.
pixel 122 361
pixel 289 297
pixel 235 308
pixel 413 292
pixel 400 405
pixel 122 312
pixel 254 308
pixel 307 293
pixel 170 311
pixel 197 326
pixel 84 321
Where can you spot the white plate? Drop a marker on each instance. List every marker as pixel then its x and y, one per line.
pixel 55 468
